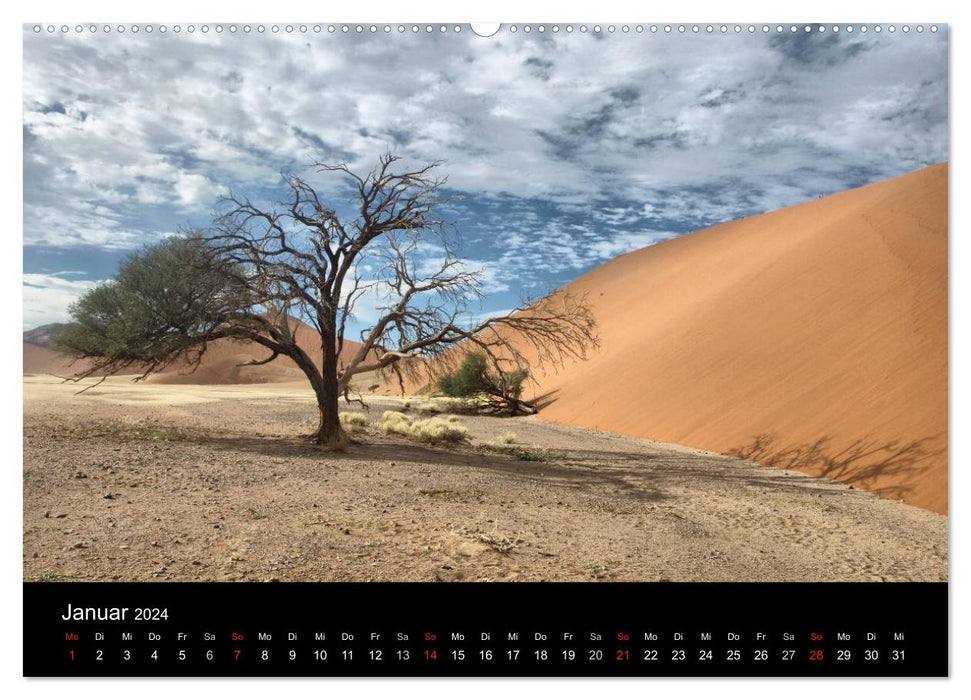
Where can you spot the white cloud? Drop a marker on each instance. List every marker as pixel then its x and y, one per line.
pixel 571 149
pixel 568 117
pixel 605 249
pixel 47 297
pixel 194 190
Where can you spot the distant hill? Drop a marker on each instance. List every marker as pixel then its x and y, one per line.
pixel 41 336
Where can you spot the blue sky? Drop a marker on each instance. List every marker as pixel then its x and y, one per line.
pixel 564 150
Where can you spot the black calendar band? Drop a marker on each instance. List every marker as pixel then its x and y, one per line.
pixel 487 629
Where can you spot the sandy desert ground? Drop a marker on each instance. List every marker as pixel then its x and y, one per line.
pixel 183 482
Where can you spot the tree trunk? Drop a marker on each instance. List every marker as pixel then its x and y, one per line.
pixel 329 433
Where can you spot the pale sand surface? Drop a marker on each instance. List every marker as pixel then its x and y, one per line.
pixel 213 483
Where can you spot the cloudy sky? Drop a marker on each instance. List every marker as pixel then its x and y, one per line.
pixel 564 150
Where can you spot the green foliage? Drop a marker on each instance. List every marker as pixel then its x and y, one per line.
pixel 165 301
pixel 474 377
pixel 514 382
pixel 469 379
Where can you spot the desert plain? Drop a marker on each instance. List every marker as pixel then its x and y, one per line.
pixel 768 402
pixel 152 482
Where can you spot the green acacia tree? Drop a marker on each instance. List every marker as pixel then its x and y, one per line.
pixel 257 271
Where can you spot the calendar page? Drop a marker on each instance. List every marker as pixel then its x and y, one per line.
pixel 548 349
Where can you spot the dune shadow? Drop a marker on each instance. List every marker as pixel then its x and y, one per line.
pixel 861 461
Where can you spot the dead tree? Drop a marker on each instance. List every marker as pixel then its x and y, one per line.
pixel 260 271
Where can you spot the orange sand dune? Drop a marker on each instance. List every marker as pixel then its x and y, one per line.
pixel 42 360
pixel 821 328
pixel 220 364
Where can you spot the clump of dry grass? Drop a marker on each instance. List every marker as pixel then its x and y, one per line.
pixel 439 430
pixel 353 422
pixel 434 430
pixel 507 438
pixel 442 405
pixel 395 422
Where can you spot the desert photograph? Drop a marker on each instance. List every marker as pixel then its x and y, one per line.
pixel 406 303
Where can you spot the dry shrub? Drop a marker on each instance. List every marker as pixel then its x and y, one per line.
pixel 501 543
pixel 439 430
pixel 352 422
pixel 433 430
pixel 467 407
pixel 523 453
pixel 395 422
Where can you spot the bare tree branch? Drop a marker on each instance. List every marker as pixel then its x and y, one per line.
pixel 261 271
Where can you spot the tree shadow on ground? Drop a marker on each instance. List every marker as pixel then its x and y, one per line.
pixel 646 476
pixel 710 471
pixel 589 477
pixel 652 473
pixel 861 461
